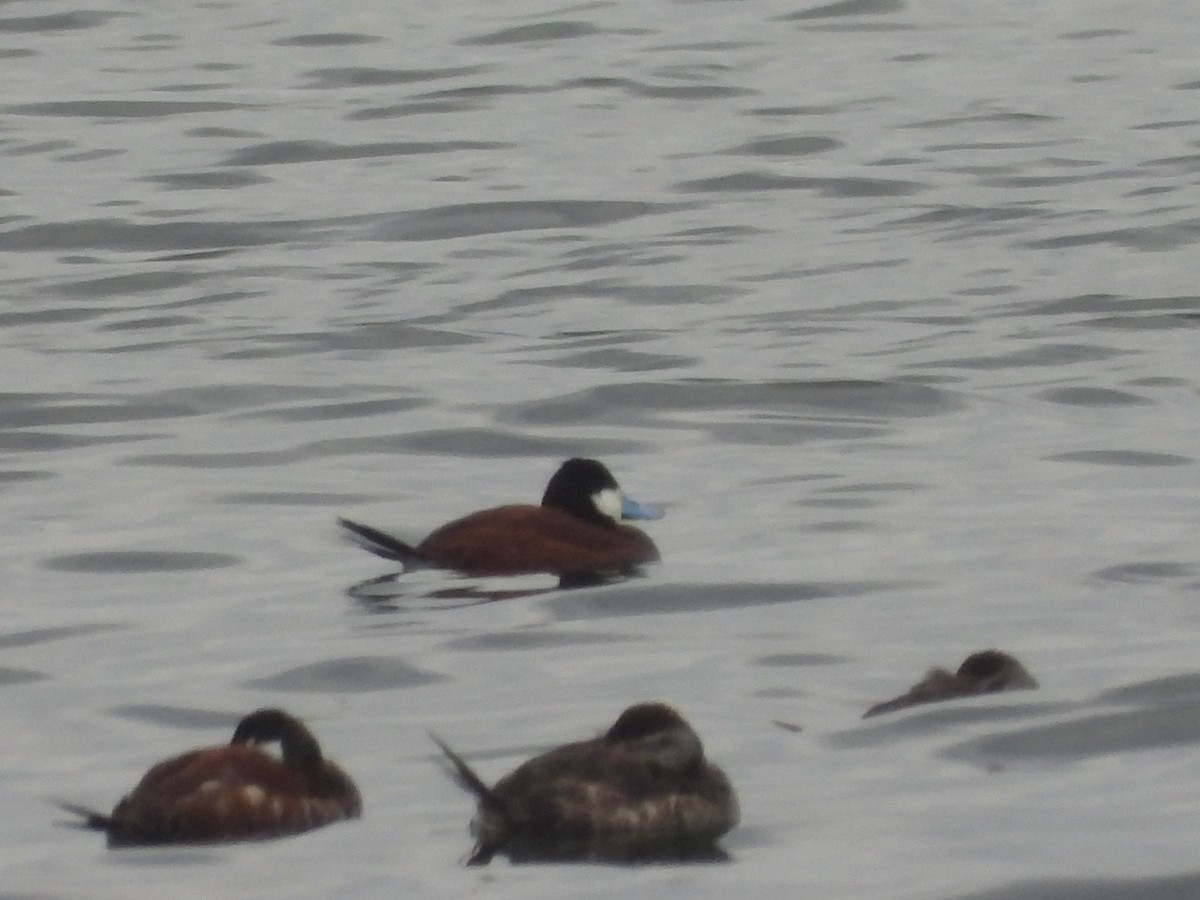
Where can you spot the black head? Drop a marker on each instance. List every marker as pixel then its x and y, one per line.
pixel 266 725
pixel 643 720
pixel 984 664
pixel 578 486
pixel 659 732
pixel 995 670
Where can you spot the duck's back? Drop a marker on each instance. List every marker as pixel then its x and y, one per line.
pixel 524 539
pixel 230 793
pixel 594 801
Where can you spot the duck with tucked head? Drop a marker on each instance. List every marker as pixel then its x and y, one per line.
pixel 985 672
pixel 575 533
pixel 641 792
pixel 234 792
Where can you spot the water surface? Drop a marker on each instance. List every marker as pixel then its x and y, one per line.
pixel 890 304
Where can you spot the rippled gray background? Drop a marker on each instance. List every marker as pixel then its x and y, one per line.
pixel 892 304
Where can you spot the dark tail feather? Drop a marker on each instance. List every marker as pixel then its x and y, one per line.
pixel 483 855
pixel 89 818
pixel 904 701
pixel 466 778
pixel 383 544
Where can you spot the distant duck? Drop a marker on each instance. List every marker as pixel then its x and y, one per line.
pixel 641 792
pixel 985 672
pixel 575 533
pixel 234 792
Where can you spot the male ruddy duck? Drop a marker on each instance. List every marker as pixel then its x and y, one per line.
pixel 235 792
pixel 641 792
pixel 575 533
pixel 985 672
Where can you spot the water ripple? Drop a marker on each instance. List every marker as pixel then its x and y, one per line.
pixel 853 187
pixel 1091 736
pixel 117 234
pixel 1144 572
pixel 366 76
pixel 847 8
pixel 122 109
pixel 10 677
pixel 539 31
pixel 351 675
pixel 635 404
pixel 68 21
pixel 285 152
pixel 443 222
pixel 1089 396
pixel 668 599
pixel 535 640
pixel 36 636
pixel 1169 887
pixel 139 562
pixel 1137 458
pixel 177 716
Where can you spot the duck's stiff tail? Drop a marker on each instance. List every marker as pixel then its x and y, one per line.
pixel 490 806
pixel 466 778
pixel 383 544
pixel 88 818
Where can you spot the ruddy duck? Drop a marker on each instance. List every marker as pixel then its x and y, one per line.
pixel 235 792
pixel 985 672
pixel 641 792
pixel 575 533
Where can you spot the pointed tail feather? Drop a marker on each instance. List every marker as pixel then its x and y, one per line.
pixel 490 806
pixel 383 544
pixel 88 818
pixel 466 778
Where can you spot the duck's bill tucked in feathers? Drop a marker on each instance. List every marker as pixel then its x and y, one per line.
pixel 983 672
pixel 643 792
pixel 234 792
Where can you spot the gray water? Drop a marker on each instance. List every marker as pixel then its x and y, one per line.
pixel 891 305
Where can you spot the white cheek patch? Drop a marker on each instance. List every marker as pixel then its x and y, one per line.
pixel 608 502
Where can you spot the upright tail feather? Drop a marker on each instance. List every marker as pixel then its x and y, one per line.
pixel 89 818
pixel 383 544
pixel 466 778
pixel 491 808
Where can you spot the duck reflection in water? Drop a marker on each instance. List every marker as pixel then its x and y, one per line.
pixel 985 672
pixel 575 533
pixel 641 792
pixel 234 792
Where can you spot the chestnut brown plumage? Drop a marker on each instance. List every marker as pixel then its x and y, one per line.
pixel 235 792
pixel 574 533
